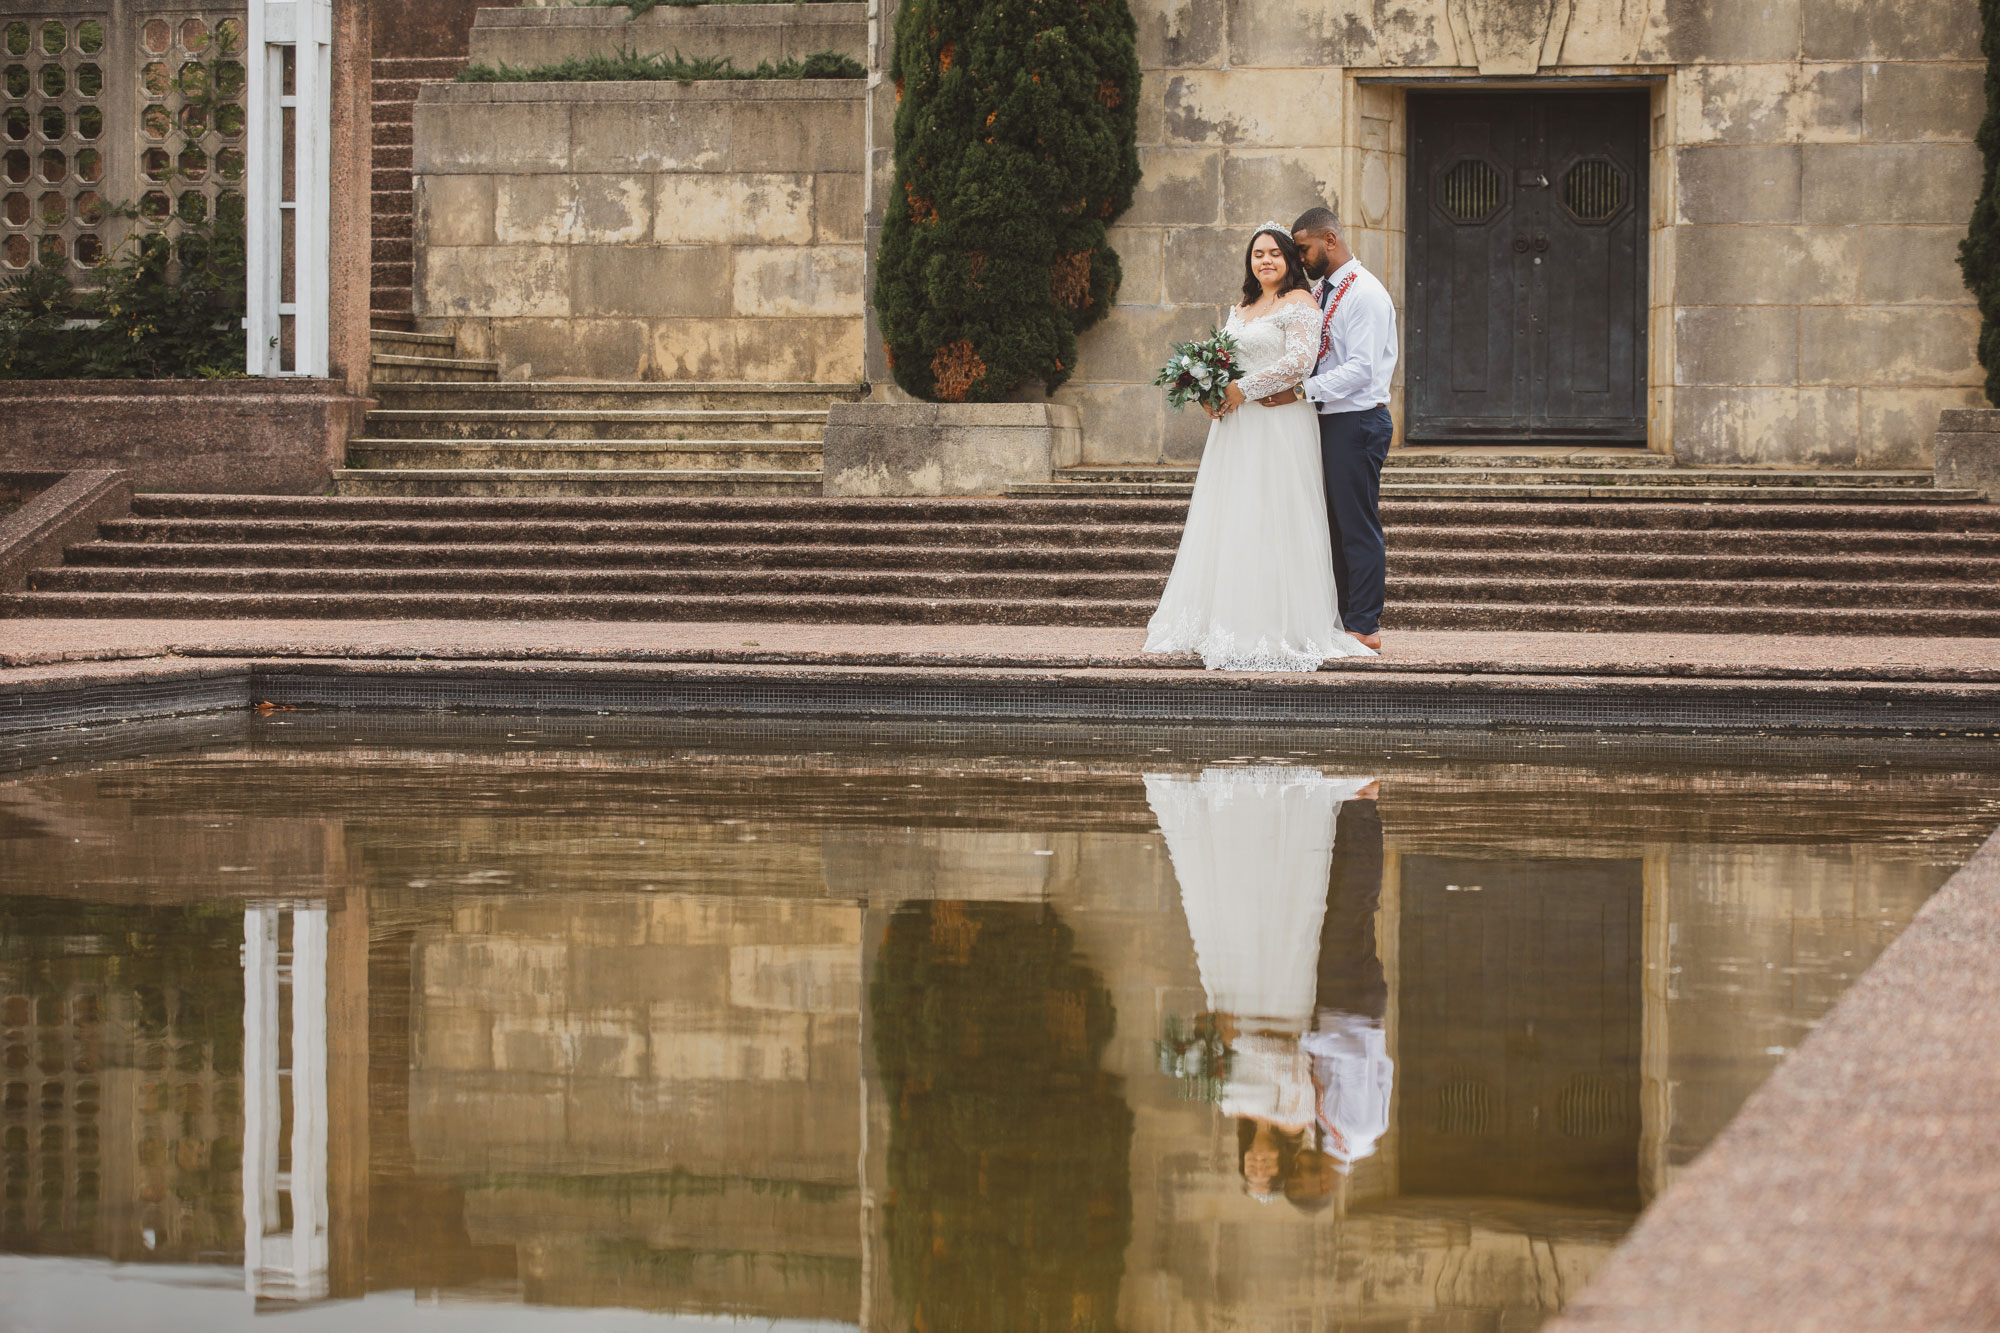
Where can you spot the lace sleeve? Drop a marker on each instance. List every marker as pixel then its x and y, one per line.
pixel 1300 321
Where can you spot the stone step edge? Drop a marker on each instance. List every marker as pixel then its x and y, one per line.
pixel 398 361
pixel 537 555
pixel 586 446
pixel 993 610
pixel 1553 491
pixel 1640 476
pixel 610 474
pixel 655 386
pixel 667 416
pixel 1451 581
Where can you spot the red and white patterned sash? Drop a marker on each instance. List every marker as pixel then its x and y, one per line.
pixel 1326 324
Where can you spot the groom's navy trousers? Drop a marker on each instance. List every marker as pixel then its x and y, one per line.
pixel 1352 448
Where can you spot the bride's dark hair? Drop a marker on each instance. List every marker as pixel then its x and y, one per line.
pixel 1295 279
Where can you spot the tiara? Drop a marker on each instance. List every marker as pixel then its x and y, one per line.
pixel 1278 227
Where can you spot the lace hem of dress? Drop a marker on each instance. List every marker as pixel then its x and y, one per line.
pixel 1221 650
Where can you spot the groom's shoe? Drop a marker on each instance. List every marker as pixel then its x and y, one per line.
pixel 1372 641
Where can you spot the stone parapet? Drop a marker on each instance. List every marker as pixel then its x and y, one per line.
pixel 251 436
pixel 746 34
pixel 644 231
pixel 1968 450
pixel 66 510
pixel 890 449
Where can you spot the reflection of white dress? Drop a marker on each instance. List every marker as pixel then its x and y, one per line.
pixel 1252 587
pixel 1252 849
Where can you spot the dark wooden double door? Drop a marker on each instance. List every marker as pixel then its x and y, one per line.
pixel 1527 298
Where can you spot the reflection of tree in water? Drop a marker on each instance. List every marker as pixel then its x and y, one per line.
pixel 1010 1201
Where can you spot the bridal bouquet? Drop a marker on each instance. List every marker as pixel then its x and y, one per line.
pixel 1201 371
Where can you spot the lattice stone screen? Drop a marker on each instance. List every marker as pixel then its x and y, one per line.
pixel 111 104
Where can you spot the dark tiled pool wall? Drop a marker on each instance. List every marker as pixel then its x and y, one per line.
pixel 1597 706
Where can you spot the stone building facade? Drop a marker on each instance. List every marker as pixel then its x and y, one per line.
pixel 1722 232
pixel 1809 173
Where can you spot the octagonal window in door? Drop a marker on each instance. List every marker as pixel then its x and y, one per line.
pixel 1470 191
pixel 1595 190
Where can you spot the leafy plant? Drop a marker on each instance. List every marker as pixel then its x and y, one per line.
pixel 639 7
pixel 630 66
pixel 170 304
pixel 1016 132
pixel 1979 254
pixel 166 309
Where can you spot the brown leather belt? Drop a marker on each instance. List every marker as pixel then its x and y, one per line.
pixel 1285 399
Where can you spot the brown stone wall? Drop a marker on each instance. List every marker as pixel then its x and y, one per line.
pixel 1813 172
pixel 624 231
pixel 242 437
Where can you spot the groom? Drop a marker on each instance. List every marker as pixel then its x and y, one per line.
pixel 1349 388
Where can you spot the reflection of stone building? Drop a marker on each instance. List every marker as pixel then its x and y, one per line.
pixel 618 1055
pixel 121 1112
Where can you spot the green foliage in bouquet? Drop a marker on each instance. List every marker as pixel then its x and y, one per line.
pixel 1201 371
pixel 1979 255
pixel 1010 1202
pixel 1016 132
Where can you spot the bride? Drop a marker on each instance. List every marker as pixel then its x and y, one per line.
pixel 1252 587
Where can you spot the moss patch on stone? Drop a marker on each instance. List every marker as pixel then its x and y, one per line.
pixel 631 67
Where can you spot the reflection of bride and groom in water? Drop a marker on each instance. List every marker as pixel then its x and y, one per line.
pixel 1009 1201
pixel 1280 872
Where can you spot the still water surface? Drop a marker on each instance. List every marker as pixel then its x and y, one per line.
pixel 392 1023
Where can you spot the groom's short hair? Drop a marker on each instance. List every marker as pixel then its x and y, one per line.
pixel 1316 220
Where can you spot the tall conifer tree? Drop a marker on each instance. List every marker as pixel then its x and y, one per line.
pixel 1980 254
pixel 1016 128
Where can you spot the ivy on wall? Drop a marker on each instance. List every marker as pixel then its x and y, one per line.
pixel 1979 256
pixel 1016 146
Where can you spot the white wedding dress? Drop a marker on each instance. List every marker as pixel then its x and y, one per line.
pixel 1252 587
pixel 1252 849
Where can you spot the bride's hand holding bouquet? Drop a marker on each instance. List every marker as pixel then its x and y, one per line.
pixel 1204 372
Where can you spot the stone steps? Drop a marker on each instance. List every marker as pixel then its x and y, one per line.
pixel 586 396
pixel 467 436
pixel 591 481
pixel 1592 475
pixel 985 585
pixel 1907 568
pixel 395 82
pixel 1157 559
pixel 596 425
pixel 394 369
pixel 556 456
pixel 791 608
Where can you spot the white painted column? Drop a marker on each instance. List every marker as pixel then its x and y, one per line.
pixel 289 183
pixel 283 1085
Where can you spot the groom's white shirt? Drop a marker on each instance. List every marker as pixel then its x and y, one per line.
pixel 1354 374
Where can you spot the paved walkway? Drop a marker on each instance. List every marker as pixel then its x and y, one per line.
pixel 32 643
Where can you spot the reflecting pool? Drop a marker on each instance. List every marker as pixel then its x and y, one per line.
pixel 387 1022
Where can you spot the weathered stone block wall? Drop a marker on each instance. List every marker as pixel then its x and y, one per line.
pixel 746 34
pixel 1813 172
pixel 645 231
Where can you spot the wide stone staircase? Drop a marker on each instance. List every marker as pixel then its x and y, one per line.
pixel 446 426
pixel 1907 567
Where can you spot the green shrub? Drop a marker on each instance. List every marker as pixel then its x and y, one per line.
pixel 630 66
pixel 166 309
pixel 1979 256
pixel 639 7
pixel 1016 131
